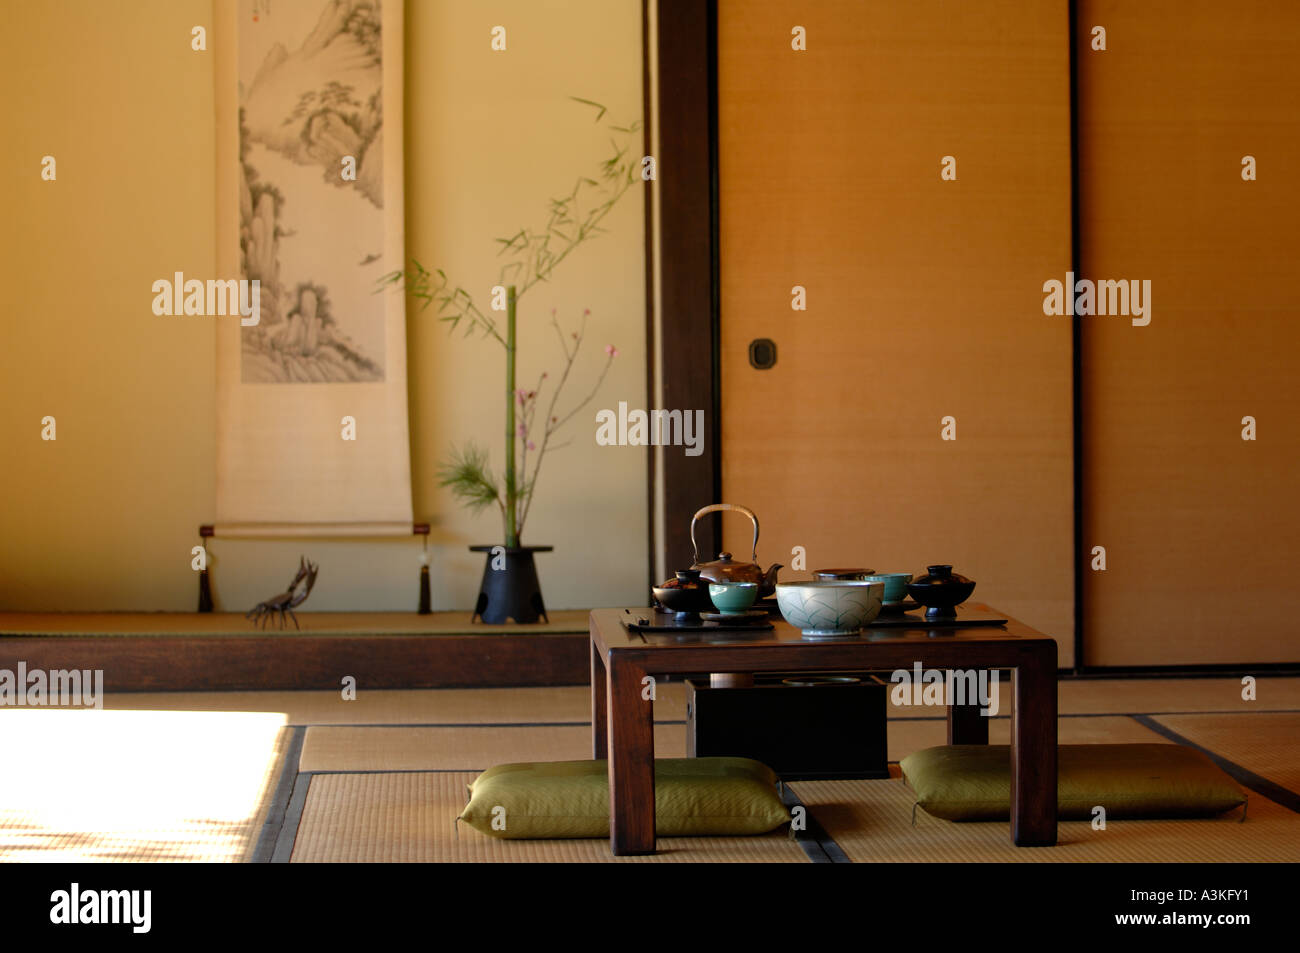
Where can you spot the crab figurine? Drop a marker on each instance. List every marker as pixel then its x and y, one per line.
pixel 286 601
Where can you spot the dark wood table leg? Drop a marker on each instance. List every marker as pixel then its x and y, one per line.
pixel 966 726
pixel 1033 751
pixel 631 762
pixel 599 700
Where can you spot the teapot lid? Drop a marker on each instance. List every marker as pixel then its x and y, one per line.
pixel 724 561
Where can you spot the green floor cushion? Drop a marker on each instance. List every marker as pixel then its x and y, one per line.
pixel 973 782
pixel 693 796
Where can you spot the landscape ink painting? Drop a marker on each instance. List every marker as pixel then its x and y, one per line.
pixel 311 217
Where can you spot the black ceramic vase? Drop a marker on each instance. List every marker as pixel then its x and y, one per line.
pixel 510 589
pixel 941 591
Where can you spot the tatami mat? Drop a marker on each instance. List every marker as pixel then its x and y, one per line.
pixel 409 818
pixel 1093 696
pixel 907 735
pixel 871 821
pixel 462 748
pixel 444 706
pixel 203 767
pixel 136 786
pixel 572 704
pixel 1267 744
pixel 1098 696
pixel 469 748
pixel 381 748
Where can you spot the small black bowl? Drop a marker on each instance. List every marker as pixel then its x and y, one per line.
pixel 688 603
pixel 941 591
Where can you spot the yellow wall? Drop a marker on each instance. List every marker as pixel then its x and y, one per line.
pixel 104 517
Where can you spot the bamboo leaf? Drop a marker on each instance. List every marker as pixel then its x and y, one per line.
pixel 588 102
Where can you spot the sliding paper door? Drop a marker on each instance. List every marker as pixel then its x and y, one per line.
pixel 1190 179
pixel 892 198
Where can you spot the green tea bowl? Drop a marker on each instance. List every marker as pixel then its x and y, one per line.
pixel 895 584
pixel 733 598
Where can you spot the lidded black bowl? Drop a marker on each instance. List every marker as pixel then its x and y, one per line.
pixel 941 590
pixel 687 595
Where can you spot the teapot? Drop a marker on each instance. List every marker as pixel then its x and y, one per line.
pixel 724 568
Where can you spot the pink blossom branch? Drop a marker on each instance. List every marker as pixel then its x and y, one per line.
pixel 553 422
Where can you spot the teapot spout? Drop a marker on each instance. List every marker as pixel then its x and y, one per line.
pixel 769 580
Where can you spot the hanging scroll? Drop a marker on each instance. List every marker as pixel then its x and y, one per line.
pixel 311 390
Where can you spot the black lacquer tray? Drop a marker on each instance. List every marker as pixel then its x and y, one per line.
pixel 917 620
pixel 653 621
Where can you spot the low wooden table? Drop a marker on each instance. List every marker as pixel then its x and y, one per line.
pixel 622 710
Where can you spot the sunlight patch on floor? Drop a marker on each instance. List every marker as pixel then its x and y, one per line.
pixel 84 785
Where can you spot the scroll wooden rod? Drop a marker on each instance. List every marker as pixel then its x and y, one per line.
pixel 209 531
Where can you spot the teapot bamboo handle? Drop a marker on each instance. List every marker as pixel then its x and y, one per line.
pixel 722 508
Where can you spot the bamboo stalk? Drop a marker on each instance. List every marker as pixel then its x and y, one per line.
pixel 512 531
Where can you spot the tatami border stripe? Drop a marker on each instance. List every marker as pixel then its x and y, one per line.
pixel 807 838
pixel 1260 785
pixel 814 840
pixel 271 827
pixel 293 817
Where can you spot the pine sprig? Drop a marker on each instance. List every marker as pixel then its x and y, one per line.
pixel 469 477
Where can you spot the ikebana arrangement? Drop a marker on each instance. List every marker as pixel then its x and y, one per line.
pixel 510 588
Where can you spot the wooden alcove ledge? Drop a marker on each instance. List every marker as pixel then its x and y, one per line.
pixel 190 651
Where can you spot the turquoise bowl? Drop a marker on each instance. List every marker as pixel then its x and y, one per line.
pixel 733 598
pixel 895 584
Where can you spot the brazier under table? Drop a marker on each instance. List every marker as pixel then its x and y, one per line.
pixel 622 707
